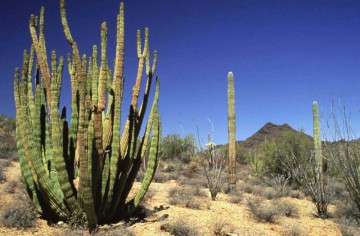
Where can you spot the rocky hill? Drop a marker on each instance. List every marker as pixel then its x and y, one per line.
pixel 269 131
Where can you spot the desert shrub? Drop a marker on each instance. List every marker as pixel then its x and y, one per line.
pixel 261 211
pixel 348 217
pixel 65 231
pixel 270 193
pixel 2 176
pixel 349 226
pixel 343 148
pixel 185 158
pixel 255 181
pixel 19 215
pixel 4 163
pixel 187 197
pixel 195 182
pixel 7 123
pixel 214 164
pixel 337 190
pixel 7 147
pixel 251 189
pixel 194 168
pixel 220 227
pixel 236 196
pixel 256 162
pixel 173 146
pixel 347 209
pixel 287 208
pixel 279 182
pixel 170 168
pixel 235 199
pixel 179 228
pixel 11 187
pixel 294 230
pixel 316 186
pixel 285 157
pixel 113 231
pixel 161 177
pixel 14 157
pixel 194 203
pixel 244 173
pixel 295 193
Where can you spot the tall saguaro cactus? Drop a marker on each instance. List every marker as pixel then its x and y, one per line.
pixel 318 184
pixel 317 139
pixel 231 131
pixel 84 170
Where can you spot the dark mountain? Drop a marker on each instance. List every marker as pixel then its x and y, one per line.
pixel 269 131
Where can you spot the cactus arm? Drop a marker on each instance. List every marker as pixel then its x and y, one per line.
pixel 98 112
pixel 150 74
pixel 85 190
pixel 27 175
pixel 103 69
pixel 41 178
pixel 41 57
pixel 142 151
pixel 152 164
pixel 136 88
pixel 64 23
pixel 57 139
pixel 115 145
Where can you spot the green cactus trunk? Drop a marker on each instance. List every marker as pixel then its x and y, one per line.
pixel 317 140
pixel 319 193
pixel 231 131
pixel 84 170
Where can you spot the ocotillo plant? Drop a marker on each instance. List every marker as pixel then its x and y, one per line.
pixel 84 171
pixel 317 185
pixel 231 131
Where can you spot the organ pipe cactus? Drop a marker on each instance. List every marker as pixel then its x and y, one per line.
pixel 85 169
pixel 231 131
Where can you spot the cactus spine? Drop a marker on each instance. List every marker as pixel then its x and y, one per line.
pixel 85 169
pixel 231 131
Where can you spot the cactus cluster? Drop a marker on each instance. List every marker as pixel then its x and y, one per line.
pixel 231 131
pixel 83 168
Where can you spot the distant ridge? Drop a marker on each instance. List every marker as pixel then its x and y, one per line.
pixel 269 131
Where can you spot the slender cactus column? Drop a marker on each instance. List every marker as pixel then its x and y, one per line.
pixel 231 131
pixel 317 140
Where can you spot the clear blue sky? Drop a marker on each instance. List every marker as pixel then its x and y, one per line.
pixel 284 55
